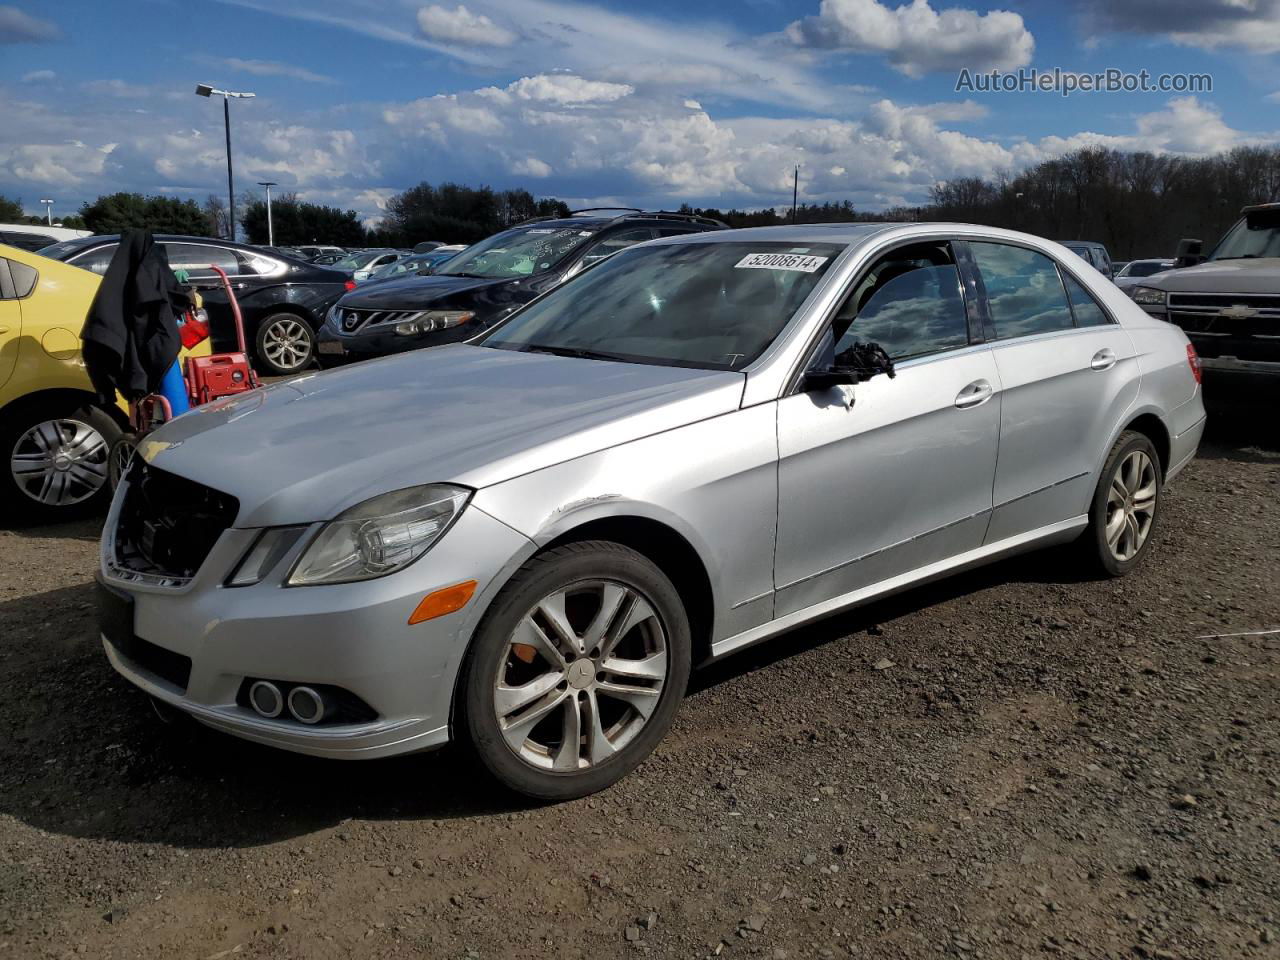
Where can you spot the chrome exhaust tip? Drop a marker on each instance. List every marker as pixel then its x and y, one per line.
pixel 266 699
pixel 307 705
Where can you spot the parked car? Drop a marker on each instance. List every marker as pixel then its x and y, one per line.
pixel 313 252
pixel 1135 270
pixel 1228 302
pixel 362 265
pixel 526 541
pixel 426 246
pixel 54 433
pixel 1094 254
pixel 486 282
pixel 415 263
pixel 26 236
pixel 283 301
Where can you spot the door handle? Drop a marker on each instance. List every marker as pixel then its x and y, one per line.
pixel 974 395
pixel 1104 359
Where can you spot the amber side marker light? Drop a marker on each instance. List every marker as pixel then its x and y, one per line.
pixel 442 601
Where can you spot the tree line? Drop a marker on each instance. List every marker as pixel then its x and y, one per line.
pixel 1138 204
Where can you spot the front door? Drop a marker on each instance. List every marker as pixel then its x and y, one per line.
pixel 890 475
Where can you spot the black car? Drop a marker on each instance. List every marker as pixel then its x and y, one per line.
pixel 486 282
pixel 283 300
pixel 1094 254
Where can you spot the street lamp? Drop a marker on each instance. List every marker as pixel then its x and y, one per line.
pixel 204 90
pixel 271 230
pixel 48 210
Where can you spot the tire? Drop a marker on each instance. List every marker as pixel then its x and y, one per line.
pixel 632 686
pixel 284 344
pixel 55 460
pixel 1125 507
pixel 118 460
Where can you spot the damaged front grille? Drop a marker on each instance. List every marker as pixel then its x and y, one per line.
pixel 168 525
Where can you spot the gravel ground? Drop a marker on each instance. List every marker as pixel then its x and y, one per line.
pixel 1050 766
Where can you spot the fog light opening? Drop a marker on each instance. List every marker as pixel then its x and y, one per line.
pixel 307 705
pixel 266 699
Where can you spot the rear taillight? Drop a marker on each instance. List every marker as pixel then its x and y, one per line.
pixel 1193 361
pixel 350 284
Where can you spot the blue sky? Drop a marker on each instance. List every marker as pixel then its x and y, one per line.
pixel 648 104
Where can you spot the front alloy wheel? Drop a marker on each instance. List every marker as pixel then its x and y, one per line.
pixel 583 673
pixel 576 671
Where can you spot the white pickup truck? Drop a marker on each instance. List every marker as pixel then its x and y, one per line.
pixel 1228 302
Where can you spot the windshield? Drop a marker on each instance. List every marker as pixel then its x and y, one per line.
pixel 1144 268
pixel 60 251
pixel 708 305
pixel 1257 235
pixel 356 261
pixel 518 252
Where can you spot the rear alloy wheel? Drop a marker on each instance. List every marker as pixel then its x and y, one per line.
pixel 58 461
pixel 286 344
pixel 577 671
pixel 1125 505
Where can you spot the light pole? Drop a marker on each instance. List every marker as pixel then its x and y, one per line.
pixel 48 210
pixel 204 90
pixel 271 230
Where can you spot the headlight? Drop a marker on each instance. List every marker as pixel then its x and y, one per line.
pixel 433 320
pixel 380 536
pixel 1149 295
pixel 334 316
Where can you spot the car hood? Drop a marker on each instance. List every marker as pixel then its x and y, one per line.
pixel 305 450
pixel 413 291
pixel 1221 276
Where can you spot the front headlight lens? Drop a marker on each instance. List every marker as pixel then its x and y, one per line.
pixel 334 316
pixel 433 320
pixel 380 536
pixel 1149 295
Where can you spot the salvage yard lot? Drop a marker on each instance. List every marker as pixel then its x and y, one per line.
pixel 1047 767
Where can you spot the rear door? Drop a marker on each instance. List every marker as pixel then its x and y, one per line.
pixel 197 259
pixel 10 322
pixel 1067 372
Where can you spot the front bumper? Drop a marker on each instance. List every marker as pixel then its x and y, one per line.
pixel 334 347
pixel 354 636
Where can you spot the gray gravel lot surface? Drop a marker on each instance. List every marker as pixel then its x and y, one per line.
pixel 1051 766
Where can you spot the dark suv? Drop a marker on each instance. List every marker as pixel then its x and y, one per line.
pixel 283 300
pixel 487 281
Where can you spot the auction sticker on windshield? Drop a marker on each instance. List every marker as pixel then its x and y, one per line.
pixel 780 261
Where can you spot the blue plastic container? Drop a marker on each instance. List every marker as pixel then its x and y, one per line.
pixel 174 389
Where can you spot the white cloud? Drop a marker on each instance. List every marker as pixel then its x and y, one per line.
pixel 531 167
pixel 917 39
pixel 462 26
pixel 116 88
pixel 39 76
pixel 561 88
pixel 19 27
pixel 1249 25
pixel 266 68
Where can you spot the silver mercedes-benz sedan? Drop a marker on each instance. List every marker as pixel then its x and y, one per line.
pixel 525 542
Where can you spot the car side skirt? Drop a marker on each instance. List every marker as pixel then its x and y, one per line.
pixel 1059 532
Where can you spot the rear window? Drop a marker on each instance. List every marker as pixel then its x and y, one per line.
pixel 1024 290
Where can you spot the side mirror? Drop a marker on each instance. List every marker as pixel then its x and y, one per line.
pixel 1190 252
pixel 824 378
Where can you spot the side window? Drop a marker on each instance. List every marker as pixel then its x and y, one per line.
pixel 1087 310
pixel 1024 290
pixel 618 241
pixel 910 302
pixel 195 258
pixel 95 260
pixel 23 277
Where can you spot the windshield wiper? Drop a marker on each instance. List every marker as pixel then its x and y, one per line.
pixel 1243 256
pixel 469 276
pixel 579 352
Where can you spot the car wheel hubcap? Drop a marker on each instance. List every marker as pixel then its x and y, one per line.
pixel 287 343
pixel 582 674
pixel 1131 505
pixel 60 462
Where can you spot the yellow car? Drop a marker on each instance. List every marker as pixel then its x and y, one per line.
pixel 54 434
